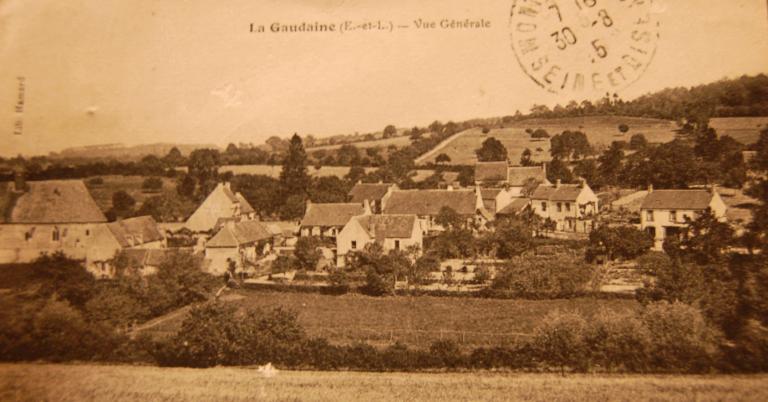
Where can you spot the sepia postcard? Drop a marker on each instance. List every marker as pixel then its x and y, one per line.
pixel 344 200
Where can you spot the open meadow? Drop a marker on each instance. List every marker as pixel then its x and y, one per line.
pixel 416 321
pixel 600 130
pixel 48 382
pixel 102 193
pixel 744 129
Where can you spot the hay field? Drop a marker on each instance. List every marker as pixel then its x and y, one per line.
pixel 600 130
pixel 417 321
pixel 274 171
pixel 744 129
pixel 399 141
pixel 130 184
pixel 47 382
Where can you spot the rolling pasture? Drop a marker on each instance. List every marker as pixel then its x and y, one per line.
pixel 102 193
pixel 48 382
pixel 274 171
pixel 417 321
pixel 600 130
pixel 744 129
pixel 399 141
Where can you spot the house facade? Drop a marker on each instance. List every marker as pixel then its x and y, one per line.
pixel 50 216
pixel 427 204
pixel 222 202
pixel 238 243
pixel 392 232
pixel 663 213
pixel 327 219
pixel 495 199
pixel 571 206
pixel 376 194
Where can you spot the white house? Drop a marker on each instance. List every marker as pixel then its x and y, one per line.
pixel 427 204
pixel 571 206
pixel 376 194
pixel 54 215
pixel 393 232
pixel 220 203
pixel 663 212
pixel 520 176
pixel 241 243
pixel 327 219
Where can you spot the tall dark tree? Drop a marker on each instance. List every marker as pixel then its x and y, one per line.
pixel 492 150
pixel 204 164
pixel 558 170
pixel 526 158
pixel 294 179
pixel 390 131
pixel 610 163
pixel 569 145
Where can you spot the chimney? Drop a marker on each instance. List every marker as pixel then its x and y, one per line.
pixel 19 180
pixel 650 188
pixel 544 168
pixel 557 183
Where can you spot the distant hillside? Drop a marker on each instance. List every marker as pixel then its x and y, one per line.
pixel 600 130
pixel 124 153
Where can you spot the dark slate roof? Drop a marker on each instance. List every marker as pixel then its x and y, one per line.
pixel 429 202
pixel 565 192
pixel 490 193
pixel 491 171
pixel 515 207
pixel 331 214
pixel 236 234
pixel 519 174
pixel 134 231
pixel 388 226
pixel 50 201
pixel 368 191
pixel 677 199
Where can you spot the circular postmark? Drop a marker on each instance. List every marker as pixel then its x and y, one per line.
pixel 584 47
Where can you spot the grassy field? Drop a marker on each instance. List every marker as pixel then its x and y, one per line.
pixel 743 129
pixel 417 321
pixel 44 382
pixel 600 130
pixel 274 171
pixel 399 141
pixel 130 184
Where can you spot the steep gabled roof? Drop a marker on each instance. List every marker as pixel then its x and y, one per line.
pixel 515 207
pixel 388 226
pixel 236 234
pixel 519 174
pixel 368 191
pixel 245 207
pixel 331 214
pixel 563 192
pixel 677 199
pixel 135 231
pixel 490 193
pixel 491 171
pixel 430 202
pixel 50 201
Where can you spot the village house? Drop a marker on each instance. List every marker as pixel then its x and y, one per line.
pixel 571 206
pixel 491 173
pixel 147 261
pixel 327 219
pixel 392 232
pixel 515 208
pixel 663 213
pixel 238 243
pixel 427 204
pixel 50 216
pixel 376 194
pixel 521 176
pixel 495 199
pixel 222 202
pixel 138 232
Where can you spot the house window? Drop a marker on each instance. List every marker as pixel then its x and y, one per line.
pixel 55 235
pixel 568 206
pixel 649 216
pixel 673 216
pixel 397 244
pixel 354 244
pixel 87 232
pixel 559 207
pixel 544 206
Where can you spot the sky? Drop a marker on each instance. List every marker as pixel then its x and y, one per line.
pixel 147 71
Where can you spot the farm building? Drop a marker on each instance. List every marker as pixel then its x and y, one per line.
pixel 663 213
pixel 327 219
pixel 520 176
pixel 392 232
pixel 515 207
pixel 146 261
pixel 571 206
pixel 492 173
pixel 142 232
pixel 426 204
pixel 222 202
pixel 239 243
pixel 376 194
pixel 495 199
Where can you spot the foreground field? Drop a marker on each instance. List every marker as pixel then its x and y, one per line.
pixel 417 321
pixel 31 382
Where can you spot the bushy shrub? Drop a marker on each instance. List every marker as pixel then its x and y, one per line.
pixel 623 242
pixel 547 276
pixel 376 285
pixel 65 277
pixel 306 252
pixel 152 184
pixel 618 341
pixel 560 341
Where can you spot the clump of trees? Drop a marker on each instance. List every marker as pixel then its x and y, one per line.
pixel 492 150
pixel 622 242
pixel 546 276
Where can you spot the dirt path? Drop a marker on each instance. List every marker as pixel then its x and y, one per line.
pixel 421 159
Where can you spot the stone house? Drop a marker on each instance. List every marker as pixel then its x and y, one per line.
pixel 392 232
pixel 512 178
pixel 376 194
pixel 241 243
pixel 222 202
pixel 663 212
pixel 495 199
pixel 427 204
pixel 571 206
pixel 327 219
